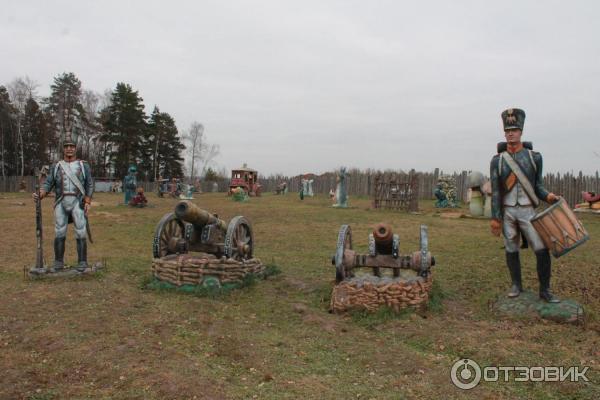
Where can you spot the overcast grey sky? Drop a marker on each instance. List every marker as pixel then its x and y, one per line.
pixel 307 86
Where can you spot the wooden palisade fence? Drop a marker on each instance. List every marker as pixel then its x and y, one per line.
pixel 361 183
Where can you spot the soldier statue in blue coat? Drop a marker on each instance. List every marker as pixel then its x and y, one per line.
pixel 72 181
pixel 130 184
pixel 513 206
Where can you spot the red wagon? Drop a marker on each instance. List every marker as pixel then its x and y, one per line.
pixel 245 178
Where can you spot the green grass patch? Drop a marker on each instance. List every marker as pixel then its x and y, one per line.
pixel 436 298
pixel 48 395
pixel 211 289
pixel 383 314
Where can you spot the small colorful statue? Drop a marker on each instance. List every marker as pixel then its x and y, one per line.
pixel 304 182
pixel 174 188
pixel 116 187
pixel 341 191
pixel 130 184
pixel 189 193
pixel 281 188
pixel 517 188
pixel 591 202
pixel 239 194
pixel 139 200
pixel 445 192
pixel 307 186
pixel 72 181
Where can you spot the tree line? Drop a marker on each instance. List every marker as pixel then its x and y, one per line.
pixel 112 130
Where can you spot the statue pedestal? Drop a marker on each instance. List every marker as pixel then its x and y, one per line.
pixel 67 272
pixel 368 292
pixel 337 205
pixel 529 305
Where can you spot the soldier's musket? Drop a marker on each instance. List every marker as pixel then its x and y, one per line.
pixel 88 229
pixel 39 257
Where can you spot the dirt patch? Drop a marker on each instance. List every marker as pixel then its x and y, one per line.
pixel 296 284
pixel 326 323
pixel 105 214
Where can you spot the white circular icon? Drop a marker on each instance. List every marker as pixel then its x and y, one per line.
pixel 465 374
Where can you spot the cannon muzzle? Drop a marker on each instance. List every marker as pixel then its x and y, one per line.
pixel 383 235
pixel 189 212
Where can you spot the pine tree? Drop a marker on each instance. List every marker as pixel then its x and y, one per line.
pixel 8 165
pixel 211 175
pixel 164 145
pixel 37 128
pixel 64 104
pixel 125 126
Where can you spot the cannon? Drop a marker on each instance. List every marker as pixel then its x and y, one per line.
pixel 384 252
pixel 190 228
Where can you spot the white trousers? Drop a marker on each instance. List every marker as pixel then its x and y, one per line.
pixel 69 205
pixel 518 218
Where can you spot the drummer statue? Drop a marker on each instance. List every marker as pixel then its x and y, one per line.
pixel 72 181
pixel 517 188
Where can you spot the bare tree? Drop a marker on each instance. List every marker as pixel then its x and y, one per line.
pixel 101 148
pixel 21 90
pixel 200 151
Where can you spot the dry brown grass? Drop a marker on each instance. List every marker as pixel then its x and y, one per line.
pixel 104 337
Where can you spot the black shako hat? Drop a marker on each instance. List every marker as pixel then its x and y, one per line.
pixel 513 118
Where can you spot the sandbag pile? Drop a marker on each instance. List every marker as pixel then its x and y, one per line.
pixel 188 269
pixel 370 292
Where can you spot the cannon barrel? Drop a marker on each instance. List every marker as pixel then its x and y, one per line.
pixel 383 235
pixel 189 212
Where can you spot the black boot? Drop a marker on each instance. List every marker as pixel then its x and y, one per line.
pixel 544 273
pixel 514 266
pixel 82 255
pixel 59 254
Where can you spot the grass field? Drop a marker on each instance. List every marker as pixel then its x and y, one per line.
pixel 105 337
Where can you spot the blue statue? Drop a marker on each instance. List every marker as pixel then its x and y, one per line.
pixel 130 184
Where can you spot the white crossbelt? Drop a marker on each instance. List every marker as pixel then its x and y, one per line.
pixel 67 170
pixel 521 178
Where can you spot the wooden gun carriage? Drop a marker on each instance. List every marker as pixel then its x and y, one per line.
pixel 190 228
pixel 384 252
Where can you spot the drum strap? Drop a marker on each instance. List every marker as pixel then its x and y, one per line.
pixel 521 177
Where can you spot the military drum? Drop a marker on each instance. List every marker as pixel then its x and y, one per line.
pixel 559 228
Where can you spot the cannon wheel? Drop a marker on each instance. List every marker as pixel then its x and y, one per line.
pixel 239 241
pixel 344 242
pixel 169 228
